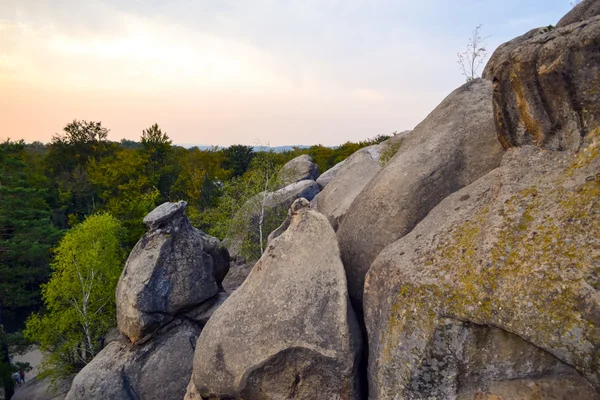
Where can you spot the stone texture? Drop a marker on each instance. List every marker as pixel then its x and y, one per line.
pixel 158 369
pixel 547 86
pixel 276 205
pixel 516 250
pixel 238 272
pixel 299 169
pixel 42 389
pixel 288 331
pixel 328 175
pixel 173 268
pixel 455 145
pixel 585 10
pixel 335 200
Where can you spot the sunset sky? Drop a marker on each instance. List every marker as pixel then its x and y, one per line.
pixel 220 72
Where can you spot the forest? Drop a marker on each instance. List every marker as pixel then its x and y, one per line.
pixel 72 209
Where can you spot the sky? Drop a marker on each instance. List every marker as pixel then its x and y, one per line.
pixel 222 72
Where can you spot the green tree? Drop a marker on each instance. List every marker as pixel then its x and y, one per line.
pixel 26 236
pixel 126 191
pixel 80 296
pixel 66 163
pixel 238 158
pixel 157 146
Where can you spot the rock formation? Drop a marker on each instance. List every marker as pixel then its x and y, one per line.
pixel 288 331
pixel 335 200
pixel 299 169
pixel 167 292
pixel 517 250
pixel 173 268
pixel 455 145
pixel 547 84
pixel 275 206
pixel 328 175
pixel 584 10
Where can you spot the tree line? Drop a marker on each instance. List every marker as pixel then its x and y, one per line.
pixel 74 207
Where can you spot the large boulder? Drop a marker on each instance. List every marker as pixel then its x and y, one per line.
pixel 547 85
pixel 289 330
pixel 586 9
pixel 518 251
pixel 173 268
pixel 358 169
pixel 299 169
pixel 328 175
pixel 455 145
pixel 270 208
pixel 158 369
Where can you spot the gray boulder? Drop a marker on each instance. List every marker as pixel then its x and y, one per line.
pixel 299 169
pixel 328 175
pixel 289 330
pixel 584 10
pixel 515 251
pixel 335 200
pixel 455 145
pixel 542 84
pixel 173 268
pixel 157 369
pixel 275 207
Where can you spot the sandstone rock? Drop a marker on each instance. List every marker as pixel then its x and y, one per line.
pixel 544 85
pixel 42 389
pixel 585 10
pixel 452 147
pixel 358 170
pixel 516 250
pixel 275 204
pixel 158 369
pixel 328 175
pixel 288 331
pixel 299 169
pixel 173 268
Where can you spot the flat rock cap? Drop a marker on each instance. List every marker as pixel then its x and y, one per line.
pixel 164 212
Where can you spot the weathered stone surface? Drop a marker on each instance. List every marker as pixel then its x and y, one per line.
pixel 238 272
pixel 173 268
pixel 452 147
pixel 585 10
pixel 288 331
pixel 164 213
pixel 328 175
pixel 299 169
pixel 275 205
pixel 42 389
pixel 516 250
pixel 547 86
pixel 358 170
pixel 158 369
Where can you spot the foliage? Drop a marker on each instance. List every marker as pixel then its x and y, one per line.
pixel 474 56
pixel 79 298
pixel 238 158
pixel 26 234
pixel 389 150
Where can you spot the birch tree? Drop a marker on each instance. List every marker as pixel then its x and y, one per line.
pixel 80 296
pixel 474 56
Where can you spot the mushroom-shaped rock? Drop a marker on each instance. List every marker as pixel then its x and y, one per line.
pixel 289 330
pixel 455 145
pixel 544 85
pixel 517 251
pixel 299 169
pixel 173 268
pixel 155 370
